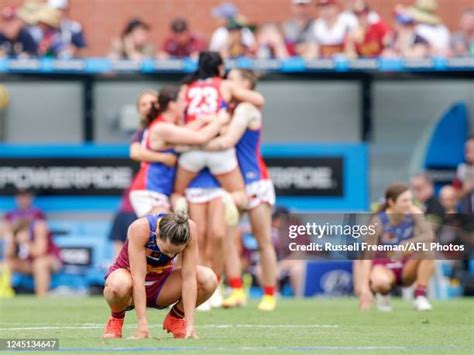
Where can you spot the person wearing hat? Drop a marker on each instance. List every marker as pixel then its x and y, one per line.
pixel 430 27
pixel 15 39
pixel 404 42
pixel 50 42
pixel 298 30
pixel 223 14
pixel 134 43
pixel 182 42
pixel 72 34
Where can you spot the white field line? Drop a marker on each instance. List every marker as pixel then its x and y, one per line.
pixel 218 326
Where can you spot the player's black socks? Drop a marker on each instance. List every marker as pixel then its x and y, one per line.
pixel 118 315
pixel 176 312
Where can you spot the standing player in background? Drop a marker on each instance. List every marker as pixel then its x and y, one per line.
pixel 398 222
pixel 143 275
pixel 153 184
pixel 206 93
pixel 206 208
pixel 244 133
pixel 126 215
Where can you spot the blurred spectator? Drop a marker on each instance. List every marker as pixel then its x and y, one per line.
pixel 298 30
pixel 28 13
pixel 15 39
pixel 449 199
pixel 451 230
pixel 182 42
pixel 423 189
pixel 50 42
pixel 225 14
pixel 464 181
pixel 30 250
pixel 24 208
pixel 134 43
pixel 430 27
pixel 330 30
pixel 72 35
pixel 350 17
pixel 235 46
pixel 291 265
pixel 404 41
pixel 367 39
pixel 270 42
pixel 462 44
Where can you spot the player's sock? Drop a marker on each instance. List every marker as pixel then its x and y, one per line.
pixel 420 291
pixel 176 312
pixel 269 290
pixel 118 315
pixel 235 282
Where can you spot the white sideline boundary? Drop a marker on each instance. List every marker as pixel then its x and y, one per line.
pixel 215 326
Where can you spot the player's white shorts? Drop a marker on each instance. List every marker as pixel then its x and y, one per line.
pixel 143 201
pixel 220 162
pixel 203 195
pixel 261 191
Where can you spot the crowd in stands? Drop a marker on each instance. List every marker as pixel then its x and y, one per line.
pixel 451 211
pixel 349 28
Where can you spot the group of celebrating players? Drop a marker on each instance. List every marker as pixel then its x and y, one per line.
pixel 200 157
pixel 200 152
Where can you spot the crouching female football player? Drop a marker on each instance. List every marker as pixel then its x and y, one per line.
pixel 398 223
pixel 144 275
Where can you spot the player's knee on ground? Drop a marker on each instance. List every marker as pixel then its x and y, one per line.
pixel 381 280
pixel 119 288
pixel 206 279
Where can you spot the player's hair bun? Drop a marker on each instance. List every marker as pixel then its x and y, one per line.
pixel 181 217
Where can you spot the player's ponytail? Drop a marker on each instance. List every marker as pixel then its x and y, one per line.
pixel 174 227
pixel 208 66
pixel 166 95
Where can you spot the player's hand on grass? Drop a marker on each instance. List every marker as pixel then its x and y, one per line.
pixel 190 332
pixel 142 332
pixel 365 299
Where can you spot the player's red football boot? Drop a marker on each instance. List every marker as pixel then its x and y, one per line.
pixel 174 325
pixel 113 328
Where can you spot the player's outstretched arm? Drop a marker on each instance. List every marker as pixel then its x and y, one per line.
pixel 189 277
pixel 137 238
pixel 142 154
pixel 173 134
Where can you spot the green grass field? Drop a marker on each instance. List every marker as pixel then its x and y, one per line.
pixel 313 325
